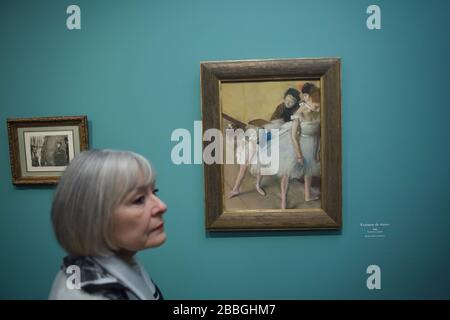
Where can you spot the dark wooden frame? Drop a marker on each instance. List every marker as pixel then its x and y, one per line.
pixel 328 71
pixel 14 124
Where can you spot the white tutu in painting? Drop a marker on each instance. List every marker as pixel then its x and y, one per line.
pixel 288 164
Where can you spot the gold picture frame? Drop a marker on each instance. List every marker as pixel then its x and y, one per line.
pixel 216 76
pixel 40 148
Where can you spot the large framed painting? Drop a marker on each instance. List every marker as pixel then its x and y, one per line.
pixel 278 166
pixel 41 148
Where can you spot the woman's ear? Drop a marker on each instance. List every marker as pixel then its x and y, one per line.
pixel 305 96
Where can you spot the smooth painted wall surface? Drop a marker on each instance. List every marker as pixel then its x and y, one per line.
pixel 134 67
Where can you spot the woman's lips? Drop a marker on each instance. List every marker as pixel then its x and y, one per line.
pixel 161 226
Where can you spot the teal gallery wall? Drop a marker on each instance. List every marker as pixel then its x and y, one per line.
pixel 133 69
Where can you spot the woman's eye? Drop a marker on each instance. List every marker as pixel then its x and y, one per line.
pixel 139 200
pixel 155 191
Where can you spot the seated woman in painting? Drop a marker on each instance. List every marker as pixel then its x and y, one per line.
pixel 60 155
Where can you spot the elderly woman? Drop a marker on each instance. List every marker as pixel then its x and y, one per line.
pixel 104 211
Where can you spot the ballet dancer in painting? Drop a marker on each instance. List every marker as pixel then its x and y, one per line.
pixel 300 148
pixel 246 153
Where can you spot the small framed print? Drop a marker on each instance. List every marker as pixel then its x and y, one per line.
pixel 41 148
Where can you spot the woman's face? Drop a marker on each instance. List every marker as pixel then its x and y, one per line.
pixel 289 101
pixel 138 221
pixel 313 100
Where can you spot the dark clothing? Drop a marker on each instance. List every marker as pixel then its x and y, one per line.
pixel 281 112
pixel 104 277
pixel 60 157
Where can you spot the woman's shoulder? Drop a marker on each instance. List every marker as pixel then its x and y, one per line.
pixel 298 114
pixel 94 282
pixel 61 291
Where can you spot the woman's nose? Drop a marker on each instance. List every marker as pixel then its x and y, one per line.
pixel 160 207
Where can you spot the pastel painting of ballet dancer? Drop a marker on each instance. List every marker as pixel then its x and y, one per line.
pixel 278 124
pixel 288 111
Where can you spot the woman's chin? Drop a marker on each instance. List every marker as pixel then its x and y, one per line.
pixel 156 241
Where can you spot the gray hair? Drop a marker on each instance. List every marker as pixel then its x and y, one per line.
pixel 91 188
